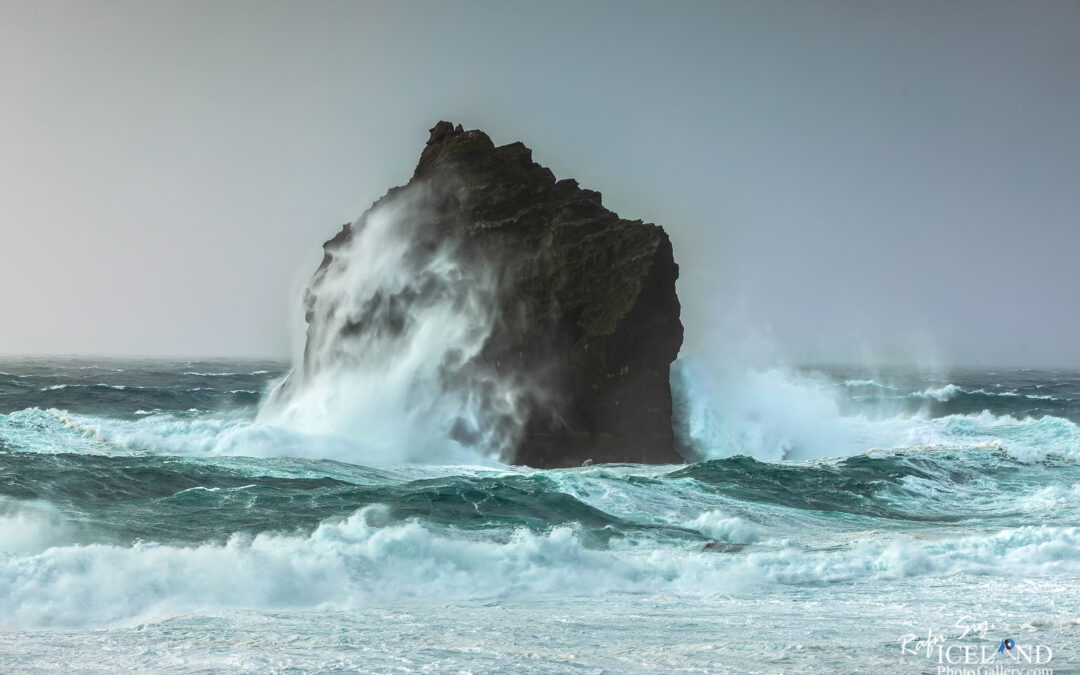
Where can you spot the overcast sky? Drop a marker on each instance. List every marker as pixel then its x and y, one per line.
pixel 845 180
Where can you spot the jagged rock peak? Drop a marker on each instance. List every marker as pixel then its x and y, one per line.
pixel 585 320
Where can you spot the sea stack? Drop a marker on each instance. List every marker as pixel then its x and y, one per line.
pixel 573 362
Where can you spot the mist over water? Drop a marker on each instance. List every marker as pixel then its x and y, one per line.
pixel 397 320
pixel 392 371
pixel 783 413
pixel 767 414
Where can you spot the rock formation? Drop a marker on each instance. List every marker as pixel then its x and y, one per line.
pixel 586 319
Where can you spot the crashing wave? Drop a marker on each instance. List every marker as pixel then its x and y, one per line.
pixel 778 414
pixel 360 561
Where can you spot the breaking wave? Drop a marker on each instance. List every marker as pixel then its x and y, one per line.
pixel 396 324
pixel 356 562
pixel 169 503
pixel 781 414
pixel 950 392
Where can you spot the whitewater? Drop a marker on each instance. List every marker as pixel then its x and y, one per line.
pixel 829 519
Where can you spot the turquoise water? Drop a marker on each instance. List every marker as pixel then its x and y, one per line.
pixel 148 519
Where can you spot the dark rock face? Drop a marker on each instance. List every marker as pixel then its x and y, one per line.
pixel 586 312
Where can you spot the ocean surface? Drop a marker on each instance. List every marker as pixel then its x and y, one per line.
pixel 834 520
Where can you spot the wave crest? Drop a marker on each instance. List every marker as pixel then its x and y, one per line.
pixel 355 562
pixel 777 414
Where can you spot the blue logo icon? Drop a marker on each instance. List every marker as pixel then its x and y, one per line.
pixel 1007 643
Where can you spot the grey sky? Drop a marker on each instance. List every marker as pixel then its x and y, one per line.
pixel 849 179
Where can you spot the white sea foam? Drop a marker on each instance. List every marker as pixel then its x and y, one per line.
pixel 942 394
pixel 868 383
pixel 950 392
pixel 1027 438
pixel 50 431
pixel 725 527
pixel 103 385
pixel 816 429
pixel 28 527
pixel 768 414
pixel 777 414
pixel 396 323
pixel 169 434
pixel 358 562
